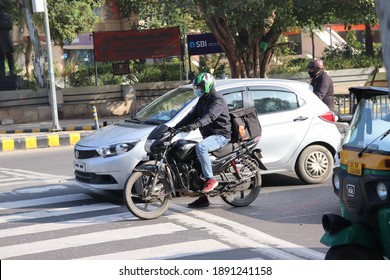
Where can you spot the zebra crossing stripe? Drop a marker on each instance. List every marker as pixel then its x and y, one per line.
pixel 16 180
pixel 56 212
pixel 166 251
pixel 43 201
pixel 45 227
pixel 88 239
pixel 28 174
pixel 238 235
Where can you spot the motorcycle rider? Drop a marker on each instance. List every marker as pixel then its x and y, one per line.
pixel 211 116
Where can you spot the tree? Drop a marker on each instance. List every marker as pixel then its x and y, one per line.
pixel 67 18
pixel 312 15
pixel 357 12
pixel 383 11
pixel 246 30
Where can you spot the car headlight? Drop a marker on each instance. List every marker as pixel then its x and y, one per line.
pixel 148 144
pixel 114 150
pixel 381 191
pixel 336 182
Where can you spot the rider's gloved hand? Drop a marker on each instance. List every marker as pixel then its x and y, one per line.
pixel 189 127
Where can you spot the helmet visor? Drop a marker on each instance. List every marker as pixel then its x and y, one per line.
pixel 198 90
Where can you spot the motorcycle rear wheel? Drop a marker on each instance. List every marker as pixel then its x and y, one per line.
pixel 140 202
pixel 241 198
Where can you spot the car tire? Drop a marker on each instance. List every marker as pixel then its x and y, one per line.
pixel 314 165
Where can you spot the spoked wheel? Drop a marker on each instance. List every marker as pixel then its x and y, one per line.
pixel 141 200
pixel 352 252
pixel 248 191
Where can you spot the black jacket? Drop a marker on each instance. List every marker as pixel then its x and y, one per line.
pixel 211 114
pixel 323 88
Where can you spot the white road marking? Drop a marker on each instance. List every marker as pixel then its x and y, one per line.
pixel 88 239
pixel 68 224
pixel 43 201
pixel 166 251
pixel 57 212
pixel 240 235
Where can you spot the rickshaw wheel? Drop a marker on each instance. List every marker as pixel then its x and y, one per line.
pixel 352 252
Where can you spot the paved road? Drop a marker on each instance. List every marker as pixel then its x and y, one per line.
pixel 48 216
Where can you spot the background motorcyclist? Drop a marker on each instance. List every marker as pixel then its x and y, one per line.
pixel 211 116
pixel 321 82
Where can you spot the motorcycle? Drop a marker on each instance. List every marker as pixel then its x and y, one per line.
pixel 176 171
pixel 362 183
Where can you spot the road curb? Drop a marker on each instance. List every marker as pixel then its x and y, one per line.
pixel 27 142
pixel 39 130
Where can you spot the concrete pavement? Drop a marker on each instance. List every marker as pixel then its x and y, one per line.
pixel 40 134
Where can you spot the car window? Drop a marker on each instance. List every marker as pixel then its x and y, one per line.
pixel 271 101
pixel 166 107
pixel 234 100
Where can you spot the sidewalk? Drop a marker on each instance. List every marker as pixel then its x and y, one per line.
pixel 40 135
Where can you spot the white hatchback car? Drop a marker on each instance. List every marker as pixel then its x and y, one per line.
pixel 299 132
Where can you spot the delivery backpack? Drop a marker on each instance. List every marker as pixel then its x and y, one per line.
pixel 245 124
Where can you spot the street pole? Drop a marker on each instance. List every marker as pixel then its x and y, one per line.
pixel 185 52
pixel 54 111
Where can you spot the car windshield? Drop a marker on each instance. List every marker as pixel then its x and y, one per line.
pixel 166 107
pixel 370 124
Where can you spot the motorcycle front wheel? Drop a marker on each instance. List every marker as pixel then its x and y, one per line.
pixel 144 201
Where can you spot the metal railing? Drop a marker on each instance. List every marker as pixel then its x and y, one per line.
pixel 342 103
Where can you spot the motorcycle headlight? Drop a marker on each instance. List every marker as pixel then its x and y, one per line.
pixel 381 191
pixel 115 149
pixel 148 144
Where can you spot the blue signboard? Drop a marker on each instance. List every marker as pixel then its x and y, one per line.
pixel 203 44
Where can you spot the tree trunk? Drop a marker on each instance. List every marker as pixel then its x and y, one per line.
pixel 39 60
pixel 383 11
pixel 27 58
pixel 313 50
pixel 369 40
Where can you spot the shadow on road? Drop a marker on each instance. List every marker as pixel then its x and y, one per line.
pixel 281 180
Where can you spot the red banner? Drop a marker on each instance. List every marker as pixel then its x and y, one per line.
pixel 136 44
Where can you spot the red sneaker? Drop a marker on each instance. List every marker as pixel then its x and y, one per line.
pixel 209 185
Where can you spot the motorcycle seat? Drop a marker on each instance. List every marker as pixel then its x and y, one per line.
pixel 225 150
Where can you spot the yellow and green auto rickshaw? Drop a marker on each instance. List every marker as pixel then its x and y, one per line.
pixel 362 182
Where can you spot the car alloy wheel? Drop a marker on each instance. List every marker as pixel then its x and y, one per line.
pixel 314 165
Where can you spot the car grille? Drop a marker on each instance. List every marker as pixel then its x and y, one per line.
pixel 93 178
pixel 83 154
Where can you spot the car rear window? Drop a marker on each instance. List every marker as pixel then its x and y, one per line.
pixel 271 101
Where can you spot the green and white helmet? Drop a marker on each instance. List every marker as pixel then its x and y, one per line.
pixel 205 82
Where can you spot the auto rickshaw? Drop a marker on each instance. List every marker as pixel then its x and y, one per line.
pixel 362 183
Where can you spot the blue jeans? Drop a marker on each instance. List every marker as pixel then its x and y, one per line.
pixel 209 144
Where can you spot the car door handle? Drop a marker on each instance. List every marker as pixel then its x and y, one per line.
pixel 300 118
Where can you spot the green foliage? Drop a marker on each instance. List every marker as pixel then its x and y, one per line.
pixel 212 63
pixel 345 57
pixel 162 13
pixel 342 57
pixel 71 17
pixel 79 76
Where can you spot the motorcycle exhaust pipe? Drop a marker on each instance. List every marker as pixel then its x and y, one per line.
pixel 334 223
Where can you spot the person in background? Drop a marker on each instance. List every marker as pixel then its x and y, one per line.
pixel 321 82
pixel 6 43
pixel 211 116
